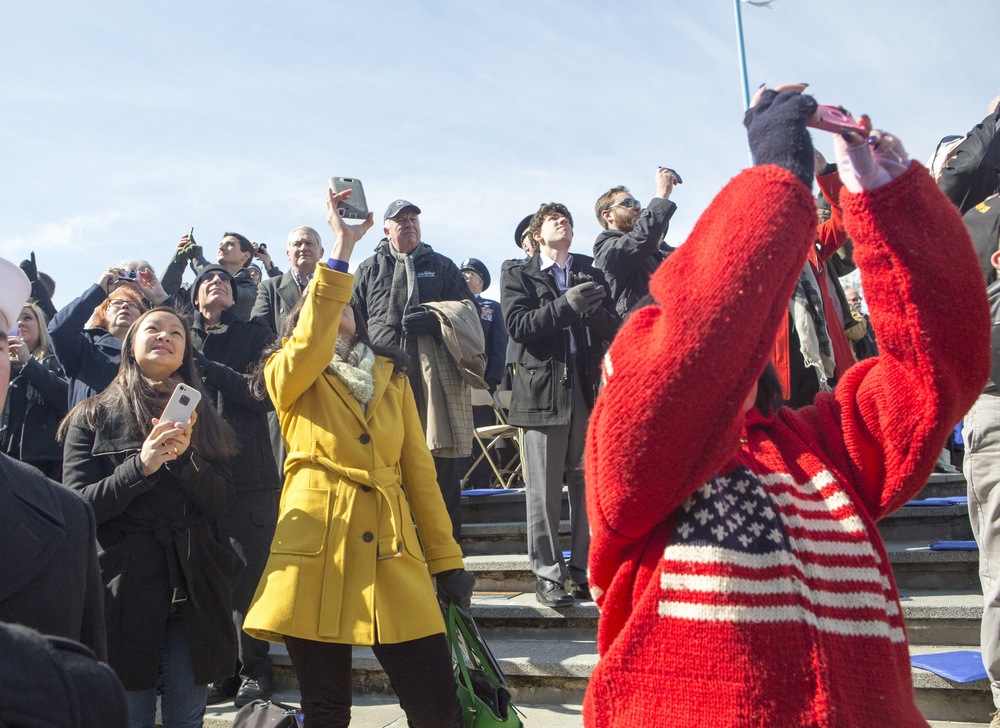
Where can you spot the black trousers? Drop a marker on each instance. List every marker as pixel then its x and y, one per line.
pixel 449 477
pixel 419 671
pixel 246 530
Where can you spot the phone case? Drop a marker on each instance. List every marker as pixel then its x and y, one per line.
pixel 836 119
pixel 354 207
pixel 182 403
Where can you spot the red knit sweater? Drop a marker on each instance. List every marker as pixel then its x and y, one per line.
pixel 735 559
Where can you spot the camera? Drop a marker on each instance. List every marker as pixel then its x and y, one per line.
pixel 128 275
pixel 576 279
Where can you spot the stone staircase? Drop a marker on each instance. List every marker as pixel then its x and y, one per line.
pixel 548 654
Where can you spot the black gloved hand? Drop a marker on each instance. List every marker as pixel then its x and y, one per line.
pixel 456 585
pixel 29 268
pixel 421 322
pixel 584 297
pixel 776 129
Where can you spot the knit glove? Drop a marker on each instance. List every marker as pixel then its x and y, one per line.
pixel 421 322
pixel 871 164
pixel 195 251
pixel 584 297
pixel 456 585
pixel 776 129
pixel 30 268
pixel 182 254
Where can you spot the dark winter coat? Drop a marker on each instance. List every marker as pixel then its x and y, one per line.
pixel 230 351
pixel 89 357
pixel 36 403
pixel 438 279
pixel 156 546
pixel 276 297
pixel 539 320
pixel 49 575
pixel 973 173
pixel 629 259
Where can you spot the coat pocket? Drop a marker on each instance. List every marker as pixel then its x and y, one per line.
pixel 302 525
pixel 534 387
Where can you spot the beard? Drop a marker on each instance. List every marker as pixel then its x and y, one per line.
pixel 624 220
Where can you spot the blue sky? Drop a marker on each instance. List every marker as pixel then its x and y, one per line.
pixel 124 124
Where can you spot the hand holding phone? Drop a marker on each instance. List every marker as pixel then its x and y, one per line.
pixel 354 207
pixel 836 119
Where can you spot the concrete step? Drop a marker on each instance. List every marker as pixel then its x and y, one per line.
pixel 941 699
pixel 539 671
pixel 927 523
pixel 506 537
pixel 943 485
pixel 943 618
pixel 501 508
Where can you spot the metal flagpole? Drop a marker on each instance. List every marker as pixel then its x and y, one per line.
pixel 743 54
pixel 743 62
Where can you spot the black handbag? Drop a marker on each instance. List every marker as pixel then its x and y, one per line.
pixel 268 714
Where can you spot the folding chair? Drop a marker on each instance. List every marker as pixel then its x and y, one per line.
pixel 492 437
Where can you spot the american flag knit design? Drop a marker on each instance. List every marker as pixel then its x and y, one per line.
pixel 769 549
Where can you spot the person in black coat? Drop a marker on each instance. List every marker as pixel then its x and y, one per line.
pixel 226 349
pixel 36 396
pixel 559 313
pixel 155 487
pixel 630 247
pixel 49 577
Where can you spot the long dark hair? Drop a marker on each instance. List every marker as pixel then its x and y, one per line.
pixel 768 391
pixel 132 396
pixel 400 361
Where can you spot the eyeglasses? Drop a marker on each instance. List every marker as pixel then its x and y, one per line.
pixel 122 303
pixel 628 202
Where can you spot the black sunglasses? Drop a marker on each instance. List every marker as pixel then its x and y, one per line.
pixel 628 202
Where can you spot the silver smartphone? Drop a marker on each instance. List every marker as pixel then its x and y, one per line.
pixel 354 207
pixel 182 403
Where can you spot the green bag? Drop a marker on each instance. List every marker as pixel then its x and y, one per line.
pixel 482 686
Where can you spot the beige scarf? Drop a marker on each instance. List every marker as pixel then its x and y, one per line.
pixel 354 366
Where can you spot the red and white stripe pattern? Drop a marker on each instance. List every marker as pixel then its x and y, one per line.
pixel 749 549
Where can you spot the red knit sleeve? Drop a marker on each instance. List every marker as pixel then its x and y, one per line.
pixel 677 374
pixel 890 416
pixel 831 235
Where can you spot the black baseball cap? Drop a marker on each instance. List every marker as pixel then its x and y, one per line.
pixel 396 207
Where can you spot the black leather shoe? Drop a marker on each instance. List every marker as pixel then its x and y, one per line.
pixel 550 594
pixel 219 692
pixel 254 688
pixel 581 591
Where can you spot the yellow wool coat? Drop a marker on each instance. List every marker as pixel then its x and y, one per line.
pixel 345 564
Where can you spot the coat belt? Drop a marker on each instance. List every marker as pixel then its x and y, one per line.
pixel 381 479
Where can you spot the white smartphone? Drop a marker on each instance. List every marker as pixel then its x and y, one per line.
pixel 182 403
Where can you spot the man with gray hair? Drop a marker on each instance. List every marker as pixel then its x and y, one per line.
pixel 277 296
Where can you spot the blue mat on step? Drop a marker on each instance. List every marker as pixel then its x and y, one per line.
pixel 489 491
pixel 961 666
pixel 957 500
pixel 953 546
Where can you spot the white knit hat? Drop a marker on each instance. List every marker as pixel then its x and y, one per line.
pixel 14 291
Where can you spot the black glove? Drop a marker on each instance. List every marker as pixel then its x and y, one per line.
pixel 29 268
pixel 776 129
pixel 456 585
pixel 421 323
pixel 585 297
